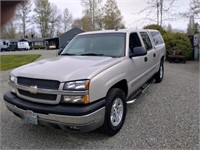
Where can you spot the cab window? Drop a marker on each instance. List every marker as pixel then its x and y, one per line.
pixel 134 41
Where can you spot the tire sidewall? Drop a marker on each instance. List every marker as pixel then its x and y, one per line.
pixel 157 76
pixel 161 68
pixel 112 95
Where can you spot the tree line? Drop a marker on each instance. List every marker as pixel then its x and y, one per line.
pixel 193 14
pixel 50 22
pixel 160 11
pixel 46 20
pixel 175 41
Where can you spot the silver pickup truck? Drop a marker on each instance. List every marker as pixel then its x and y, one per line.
pixel 90 83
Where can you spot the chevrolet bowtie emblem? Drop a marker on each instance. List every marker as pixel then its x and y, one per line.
pixel 33 89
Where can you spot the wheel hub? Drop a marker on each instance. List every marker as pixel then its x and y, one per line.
pixel 161 72
pixel 117 112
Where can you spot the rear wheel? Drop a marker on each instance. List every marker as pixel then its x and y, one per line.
pixel 160 74
pixel 115 111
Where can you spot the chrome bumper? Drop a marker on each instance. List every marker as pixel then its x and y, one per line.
pixel 83 123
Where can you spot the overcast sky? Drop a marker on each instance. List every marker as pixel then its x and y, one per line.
pixel 129 10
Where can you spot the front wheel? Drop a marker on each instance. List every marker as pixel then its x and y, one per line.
pixel 115 111
pixel 160 74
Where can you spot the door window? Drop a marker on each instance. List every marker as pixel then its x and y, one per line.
pixel 157 37
pixel 146 40
pixel 134 41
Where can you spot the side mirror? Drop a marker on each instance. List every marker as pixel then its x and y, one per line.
pixel 60 51
pixel 138 51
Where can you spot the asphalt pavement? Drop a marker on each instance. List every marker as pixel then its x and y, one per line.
pixel 165 117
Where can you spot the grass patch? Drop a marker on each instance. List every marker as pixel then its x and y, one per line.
pixel 12 61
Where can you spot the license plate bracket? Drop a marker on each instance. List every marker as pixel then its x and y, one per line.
pixel 31 117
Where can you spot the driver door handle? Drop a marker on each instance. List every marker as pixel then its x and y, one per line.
pixel 145 59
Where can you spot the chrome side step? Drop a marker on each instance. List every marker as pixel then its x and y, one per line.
pixel 131 101
pixel 140 91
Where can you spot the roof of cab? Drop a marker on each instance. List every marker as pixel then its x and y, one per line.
pixel 116 31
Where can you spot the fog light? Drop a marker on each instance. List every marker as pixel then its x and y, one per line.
pixel 73 99
pixel 76 99
pixel 12 89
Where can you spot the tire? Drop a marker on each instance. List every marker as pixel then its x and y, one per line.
pixel 115 111
pixel 160 74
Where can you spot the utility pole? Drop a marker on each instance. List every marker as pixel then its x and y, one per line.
pixel 157 4
pixel 93 15
pixel 161 12
pixel 23 18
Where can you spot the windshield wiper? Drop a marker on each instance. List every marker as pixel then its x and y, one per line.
pixel 68 54
pixel 92 54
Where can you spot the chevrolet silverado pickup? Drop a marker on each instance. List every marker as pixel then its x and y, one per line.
pixel 89 84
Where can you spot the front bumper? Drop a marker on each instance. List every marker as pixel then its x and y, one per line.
pixel 82 118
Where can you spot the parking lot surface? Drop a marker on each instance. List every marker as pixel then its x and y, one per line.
pixel 165 117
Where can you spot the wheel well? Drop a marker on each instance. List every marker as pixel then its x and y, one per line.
pixel 122 85
pixel 162 59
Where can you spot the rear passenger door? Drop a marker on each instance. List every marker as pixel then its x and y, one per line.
pixel 137 65
pixel 159 44
pixel 151 54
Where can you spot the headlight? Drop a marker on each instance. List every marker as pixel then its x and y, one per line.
pixel 80 85
pixel 77 85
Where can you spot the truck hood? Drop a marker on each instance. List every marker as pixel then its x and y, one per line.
pixel 66 68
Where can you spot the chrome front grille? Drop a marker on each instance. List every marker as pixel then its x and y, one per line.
pixel 40 83
pixel 24 86
pixel 38 95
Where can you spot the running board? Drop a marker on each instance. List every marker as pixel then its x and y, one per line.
pixel 140 91
pixel 131 101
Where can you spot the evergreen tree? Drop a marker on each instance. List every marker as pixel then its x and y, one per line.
pixel 192 27
pixel 77 23
pixel 169 28
pixel 112 16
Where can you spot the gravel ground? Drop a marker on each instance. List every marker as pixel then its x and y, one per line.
pixel 165 117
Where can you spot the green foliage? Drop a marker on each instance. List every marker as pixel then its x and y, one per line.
pixel 192 29
pixel 155 27
pixel 13 61
pixel 86 23
pixel 178 41
pixel 112 18
pixel 174 41
pixel 38 47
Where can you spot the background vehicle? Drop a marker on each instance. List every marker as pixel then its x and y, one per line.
pixel 52 46
pixel 4 44
pixel 12 48
pixel 23 45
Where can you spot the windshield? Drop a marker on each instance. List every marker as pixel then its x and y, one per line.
pixel 103 44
